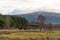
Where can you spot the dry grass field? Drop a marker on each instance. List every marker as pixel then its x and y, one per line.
pixel 29 35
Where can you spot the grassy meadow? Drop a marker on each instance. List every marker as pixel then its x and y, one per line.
pixel 29 35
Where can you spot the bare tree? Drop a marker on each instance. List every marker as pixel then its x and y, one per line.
pixel 8 21
pixel 41 19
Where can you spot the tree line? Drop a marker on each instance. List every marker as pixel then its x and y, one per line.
pixel 12 21
pixel 47 25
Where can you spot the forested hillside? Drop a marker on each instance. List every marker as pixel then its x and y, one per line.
pixel 12 21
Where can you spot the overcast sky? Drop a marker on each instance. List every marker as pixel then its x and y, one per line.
pixel 7 6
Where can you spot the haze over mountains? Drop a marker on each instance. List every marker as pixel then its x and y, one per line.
pixel 49 16
pixel 16 12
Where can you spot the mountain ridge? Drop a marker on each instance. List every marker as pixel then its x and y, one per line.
pixel 50 16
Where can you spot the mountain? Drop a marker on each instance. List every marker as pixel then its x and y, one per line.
pixel 49 16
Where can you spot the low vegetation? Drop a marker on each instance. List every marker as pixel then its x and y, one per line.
pixel 32 35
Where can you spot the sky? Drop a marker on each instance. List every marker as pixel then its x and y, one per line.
pixel 7 6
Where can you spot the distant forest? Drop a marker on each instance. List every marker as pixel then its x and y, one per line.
pixel 14 21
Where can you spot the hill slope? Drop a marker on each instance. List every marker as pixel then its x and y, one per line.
pixel 49 16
